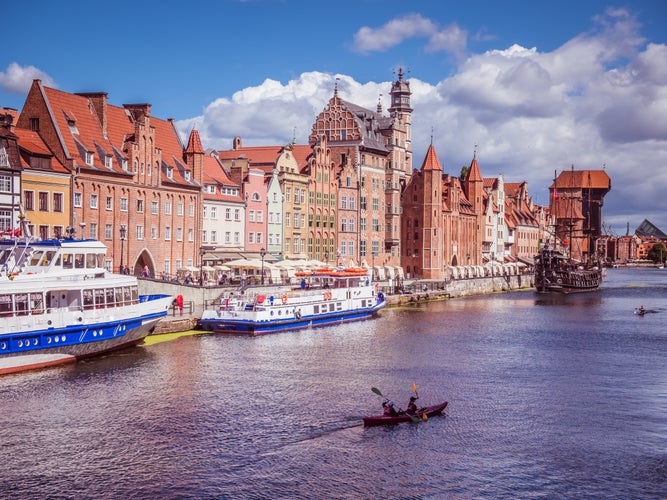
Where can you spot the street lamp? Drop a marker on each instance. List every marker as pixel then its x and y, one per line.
pixel 262 253
pixel 123 234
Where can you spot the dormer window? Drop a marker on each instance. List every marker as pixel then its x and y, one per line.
pixel 108 161
pixel 90 160
pixel 72 126
pixel 125 164
pixel 170 172
pixel 4 158
pixel 187 176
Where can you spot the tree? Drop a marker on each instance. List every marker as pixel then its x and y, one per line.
pixel 657 253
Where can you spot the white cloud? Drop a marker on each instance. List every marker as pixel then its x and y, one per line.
pixel 451 39
pixel 17 79
pixel 598 99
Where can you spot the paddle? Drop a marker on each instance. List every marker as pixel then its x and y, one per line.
pixel 414 389
pixel 377 391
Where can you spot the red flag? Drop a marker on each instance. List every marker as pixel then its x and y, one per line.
pixel 555 194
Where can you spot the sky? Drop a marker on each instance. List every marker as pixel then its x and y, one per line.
pixel 531 87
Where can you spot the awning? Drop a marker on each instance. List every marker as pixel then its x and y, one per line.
pixel 527 260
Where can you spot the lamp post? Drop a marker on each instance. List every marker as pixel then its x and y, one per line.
pixel 123 234
pixel 262 253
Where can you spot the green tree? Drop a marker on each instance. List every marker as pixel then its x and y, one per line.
pixel 657 253
pixel 464 172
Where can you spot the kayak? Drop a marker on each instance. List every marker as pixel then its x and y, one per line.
pixel 430 411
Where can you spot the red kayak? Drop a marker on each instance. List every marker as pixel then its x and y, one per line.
pixel 430 411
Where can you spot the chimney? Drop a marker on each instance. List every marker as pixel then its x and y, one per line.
pixel 138 111
pixel 99 102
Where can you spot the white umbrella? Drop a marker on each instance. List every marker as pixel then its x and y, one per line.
pixel 222 268
pixel 207 268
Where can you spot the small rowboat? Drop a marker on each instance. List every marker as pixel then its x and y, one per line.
pixel 430 411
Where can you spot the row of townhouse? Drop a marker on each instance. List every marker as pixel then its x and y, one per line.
pixel 349 197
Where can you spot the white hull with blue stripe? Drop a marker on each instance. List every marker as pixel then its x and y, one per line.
pixel 329 298
pixel 58 304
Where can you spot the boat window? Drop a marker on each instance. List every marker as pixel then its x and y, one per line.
pixel 119 296
pixel 37 303
pixel 88 299
pixel 4 254
pixel 110 297
pixel 135 295
pixel 48 257
pixel 35 258
pixel 68 261
pixel 21 304
pixel 127 297
pixel 316 309
pixel 6 305
pixel 91 261
pixel 78 261
pixel 99 298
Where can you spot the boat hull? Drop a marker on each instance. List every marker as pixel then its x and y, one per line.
pixel 377 420
pixel 259 327
pixel 29 350
pixel 555 273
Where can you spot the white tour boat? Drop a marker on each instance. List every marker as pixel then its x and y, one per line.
pixel 325 297
pixel 58 304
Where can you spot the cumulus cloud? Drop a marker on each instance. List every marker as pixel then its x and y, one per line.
pixel 17 79
pixel 599 99
pixel 451 39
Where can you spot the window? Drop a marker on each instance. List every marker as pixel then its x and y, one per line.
pixel 154 207
pixel 154 233
pixel 362 202
pixel 352 225
pixel 251 216
pixel 140 206
pixel 109 203
pixel 167 207
pixel 352 203
pixel 29 200
pixel 5 183
pixel 260 216
pixel 90 160
pixel 343 202
pixel 343 225
pixel 77 200
pixel 93 201
pixel 4 157
pixel 288 194
pixel 191 210
pixel 92 230
pixel 287 219
pixel 228 214
pixel 214 213
pixel 108 161
pixel 140 232
pixel 179 234
pixel 167 233
pixel 228 237
pixel 251 237
pixel 191 234
pixel 123 204
pixel 180 209
pixel 214 236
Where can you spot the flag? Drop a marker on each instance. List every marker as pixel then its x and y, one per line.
pixel 555 194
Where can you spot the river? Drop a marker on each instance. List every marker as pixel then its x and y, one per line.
pixel 549 397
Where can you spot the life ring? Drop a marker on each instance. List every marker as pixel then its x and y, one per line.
pixel 327 295
pixel 283 297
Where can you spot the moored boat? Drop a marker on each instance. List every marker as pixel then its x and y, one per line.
pixel 555 272
pixel 59 304
pixel 429 411
pixel 324 298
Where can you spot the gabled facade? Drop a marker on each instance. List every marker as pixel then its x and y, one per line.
pixel 45 187
pixel 129 176
pixel 379 148
pixel 322 202
pixel 10 177
pixel 224 210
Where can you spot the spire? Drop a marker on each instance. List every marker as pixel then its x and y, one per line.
pixel 474 173
pixel 336 87
pixel 379 108
pixel 194 143
pixel 431 161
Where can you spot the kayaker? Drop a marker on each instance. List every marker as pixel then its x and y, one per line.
pixel 389 408
pixel 412 405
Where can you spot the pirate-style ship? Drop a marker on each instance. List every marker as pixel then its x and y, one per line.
pixel 569 261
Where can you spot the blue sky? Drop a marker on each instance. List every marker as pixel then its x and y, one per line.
pixel 536 86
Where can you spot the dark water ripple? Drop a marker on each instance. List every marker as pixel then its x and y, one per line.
pixel 550 397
